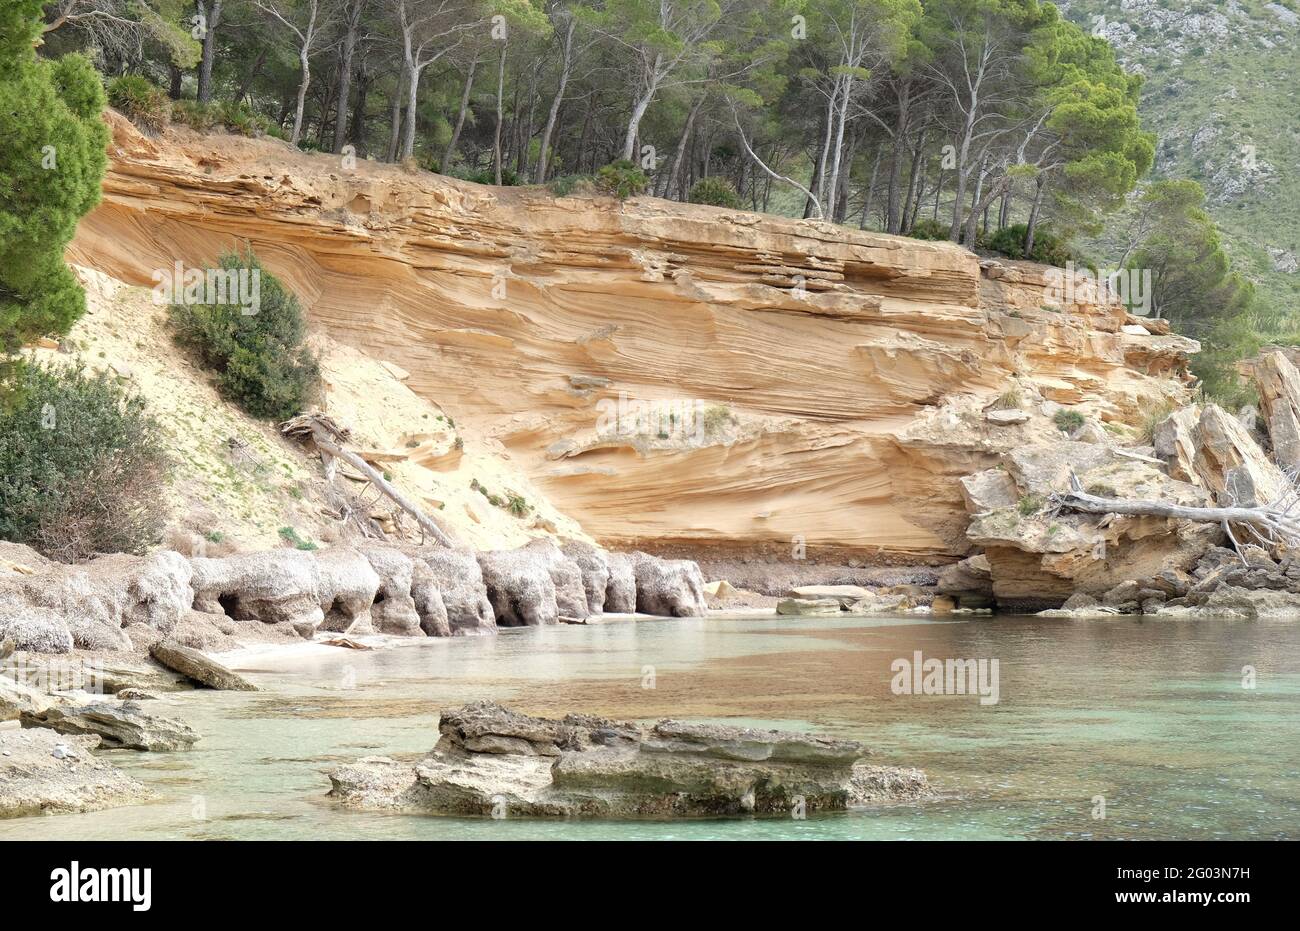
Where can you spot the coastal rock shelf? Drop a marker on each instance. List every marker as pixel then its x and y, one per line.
pixel 129 603
pixel 493 761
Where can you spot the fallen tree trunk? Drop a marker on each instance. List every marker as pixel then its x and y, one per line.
pixel 370 472
pixel 1270 524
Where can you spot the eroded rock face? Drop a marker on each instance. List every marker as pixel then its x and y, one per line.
pixel 120 726
pixel 1278 381
pixel 908 323
pixel 393 611
pixel 1231 464
pixel 274 586
pixel 567 577
pixel 585 766
pixel 520 588
pixel 668 587
pixel 348 585
pixel 1037 559
pixel 620 593
pixel 593 563
pixel 459 580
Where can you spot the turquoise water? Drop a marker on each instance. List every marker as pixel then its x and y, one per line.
pixel 1149 714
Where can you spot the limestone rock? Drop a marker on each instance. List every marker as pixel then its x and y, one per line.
pixel 1005 418
pixel 393 611
pixel 969 581
pixel 520 588
pixel 668 587
pixel 459 579
pixel 988 490
pixel 274 586
pixel 348 585
pixel 1230 463
pixel 844 594
pixel 1175 442
pixel 593 563
pixel 620 593
pixel 566 576
pixel 810 607
pixel 584 766
pixel 427 597
pixel 1279 393
pixel 202 669
pixel 36 778
pixel 123 726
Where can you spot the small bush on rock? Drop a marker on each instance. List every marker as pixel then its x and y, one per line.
pixel 716 192
pixel 926 228
pixel 142 102
pixel 1048 249
pixel 81 465
pixel 262 362
pixel 621 179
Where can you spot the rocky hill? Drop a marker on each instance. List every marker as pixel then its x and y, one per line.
pixel 1222 93
pixel 665 375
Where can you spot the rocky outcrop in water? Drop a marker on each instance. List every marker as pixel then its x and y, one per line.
pixel 119 725
pixel 133 602
pixel 492 761
pixel 44 772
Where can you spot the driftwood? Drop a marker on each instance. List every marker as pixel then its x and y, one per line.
pixel 329 438
pixel 1270 524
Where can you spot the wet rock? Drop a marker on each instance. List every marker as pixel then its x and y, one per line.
pixel 1229 601
pixel 584 766
pixel 620 593
pixel 519 587
pixel 34 779
pixel 668 587
pixel 459 580
pixel 122 726
pixel 202 669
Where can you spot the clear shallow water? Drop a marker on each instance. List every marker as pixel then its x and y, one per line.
pixel 1149 714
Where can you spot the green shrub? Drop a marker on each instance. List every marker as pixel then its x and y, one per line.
pixel 142 102
pixel 926 228
pixel 290 535
pixel 81 464
pixel 565 185
pixel 193 114
pixel 262 363
pixel 486 176
pixel 1029 504
pixel 52 158
pixel 621 179
pixel 1068 421
pixel 1048 248
pixel 717 192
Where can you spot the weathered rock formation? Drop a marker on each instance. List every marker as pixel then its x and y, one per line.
pixel 665 373
pixel 490 760
pixel 135 603
pixel 43 772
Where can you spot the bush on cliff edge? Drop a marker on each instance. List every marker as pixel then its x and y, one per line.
pixel 82 465
pixel 258 352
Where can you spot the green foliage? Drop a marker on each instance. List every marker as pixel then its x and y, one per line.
pixel 621 179
pixel 82 464
pixel 566 185
pixel 141 101
pixel 1029 504
pixel 926 228
pixel 261 360
pixel 1068 421
pixel 487 176
pixel 1048 248
pixel 717 192
pixel 290 536
pixel 52 159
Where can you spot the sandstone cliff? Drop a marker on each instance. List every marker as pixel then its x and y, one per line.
pixel 820 385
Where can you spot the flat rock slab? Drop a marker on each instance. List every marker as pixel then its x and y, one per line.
pixel 202 669
pixel 43 772
pixel 810 607
pixel 844 594
pixel 492 761
pixel 121 726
